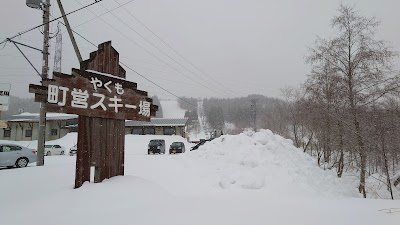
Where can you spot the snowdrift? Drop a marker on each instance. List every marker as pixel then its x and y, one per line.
pixel 264 160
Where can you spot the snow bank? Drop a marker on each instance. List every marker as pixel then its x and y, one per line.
pixel 264 160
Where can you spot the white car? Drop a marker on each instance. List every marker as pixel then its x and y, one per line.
pixel 53 150
pixel 14 155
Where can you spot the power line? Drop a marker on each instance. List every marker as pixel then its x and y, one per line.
pixel 141 75
pixel 178 53
pixel 144 38
pixel 151 52
pixel 41 25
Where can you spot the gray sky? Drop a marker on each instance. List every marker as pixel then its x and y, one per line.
pixel 250 47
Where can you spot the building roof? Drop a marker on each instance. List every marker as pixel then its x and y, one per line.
pixel 34 117
pixel 157 122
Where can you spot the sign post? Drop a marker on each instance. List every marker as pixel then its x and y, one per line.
pixel 5 89
pixel 99 93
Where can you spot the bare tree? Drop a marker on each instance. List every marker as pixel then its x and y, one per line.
pixel 363 65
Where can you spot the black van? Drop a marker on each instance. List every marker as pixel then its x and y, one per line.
pixel 156 146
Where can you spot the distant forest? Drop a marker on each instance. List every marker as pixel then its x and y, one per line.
pixel 236 111
pixel 18 105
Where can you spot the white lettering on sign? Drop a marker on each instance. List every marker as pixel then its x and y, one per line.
pixel 144 107
pixel 114 103
pixel 96 83
pixel 100 103
pixel 64 96
pixel 52 94
pixel 119 88
pixel 80 98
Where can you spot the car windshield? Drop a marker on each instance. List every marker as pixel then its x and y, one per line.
pixel 48 146
pixel 155 142
pixel 176 144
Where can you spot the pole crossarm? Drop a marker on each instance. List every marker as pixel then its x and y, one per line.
pixel 25 45
pixel 15 43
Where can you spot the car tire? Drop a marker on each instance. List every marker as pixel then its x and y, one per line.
pixel 48 153
pixel 62 153
pixel 22 162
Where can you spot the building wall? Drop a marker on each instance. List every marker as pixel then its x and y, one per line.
pixel 18 130
pixel 159 131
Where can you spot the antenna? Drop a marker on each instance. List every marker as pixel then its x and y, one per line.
pixel 58 54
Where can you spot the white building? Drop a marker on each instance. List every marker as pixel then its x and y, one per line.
pixel 25 126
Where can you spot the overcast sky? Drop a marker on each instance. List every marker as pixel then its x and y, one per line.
pixel 248 47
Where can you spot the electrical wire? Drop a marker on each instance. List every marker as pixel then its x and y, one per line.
pixel 141 75
pixel 41 25
pixel 178 53
pixel 130 39
pixel 163 52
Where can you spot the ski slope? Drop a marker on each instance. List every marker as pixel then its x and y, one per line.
pixel 171 109
pixel 250 178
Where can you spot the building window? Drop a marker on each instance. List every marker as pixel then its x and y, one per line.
pixel 149 130
pixel 54 132
pixel 28 133
pixel 7 133
pixel 169 130
pixel 137 131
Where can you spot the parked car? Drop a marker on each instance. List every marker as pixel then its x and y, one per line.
pixel 14 155
pixel 54 150
pixel 156 146
pixel 177 147
pixel 72 150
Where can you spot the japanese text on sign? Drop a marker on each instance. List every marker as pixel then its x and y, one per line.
pixel 80 98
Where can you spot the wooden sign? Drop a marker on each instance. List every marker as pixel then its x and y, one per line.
pixel 99 93
pixel 93 94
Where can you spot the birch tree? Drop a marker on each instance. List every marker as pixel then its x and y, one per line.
pixel 363 65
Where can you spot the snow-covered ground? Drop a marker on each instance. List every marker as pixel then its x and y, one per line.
pixel 171 109
pixel 236 179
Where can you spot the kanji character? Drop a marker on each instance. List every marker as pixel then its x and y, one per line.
pixel 79 98
pixel 64 95
pixel 100 103
pixel 96 83
pixel 106 86
pixel 52 94
pixel 119 88
pixel 115 103
pixel 144 107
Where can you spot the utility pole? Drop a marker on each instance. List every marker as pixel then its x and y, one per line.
pixel 45 71
pixel 71 35
pixel 254 113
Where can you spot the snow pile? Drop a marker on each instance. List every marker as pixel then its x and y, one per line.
pixel 171 109
pixel 264 160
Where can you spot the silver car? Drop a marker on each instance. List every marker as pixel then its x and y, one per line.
pixel 14 155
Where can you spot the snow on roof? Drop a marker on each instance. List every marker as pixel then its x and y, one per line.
pixel 106 74
pixel 157 122
pixel 34 117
